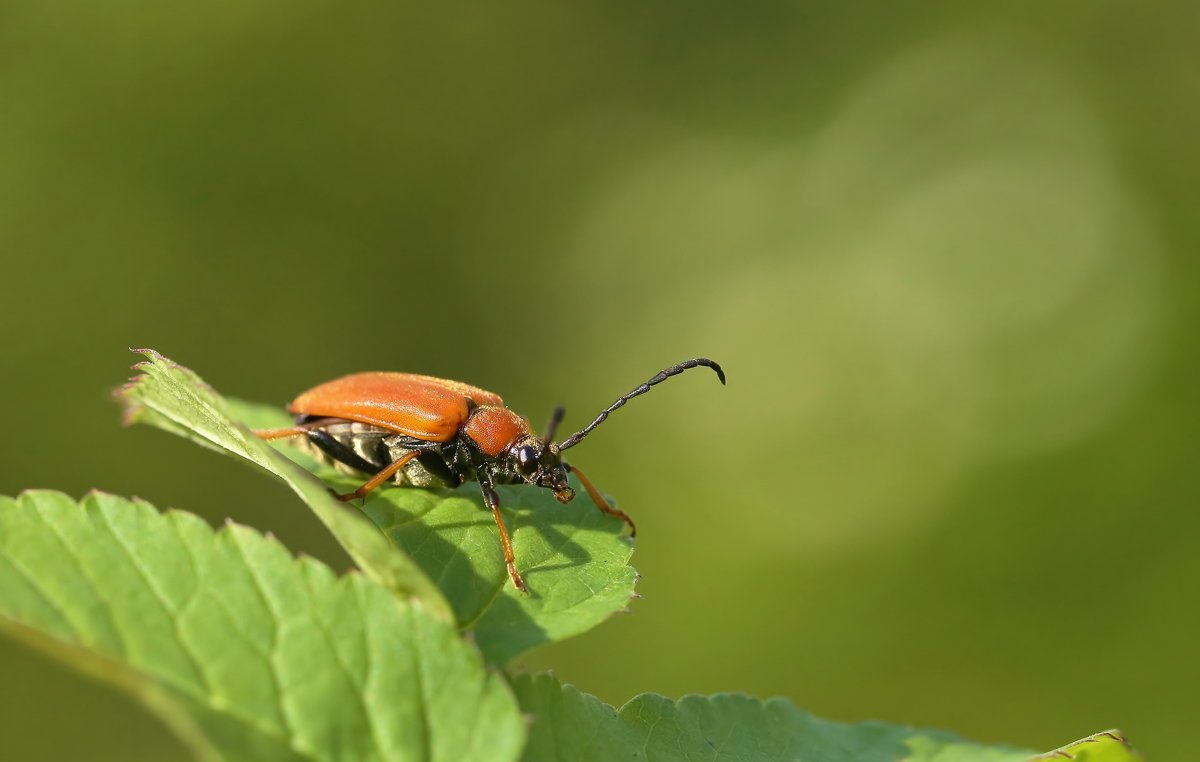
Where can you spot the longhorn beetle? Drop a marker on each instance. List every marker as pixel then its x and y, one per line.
pixel 428 431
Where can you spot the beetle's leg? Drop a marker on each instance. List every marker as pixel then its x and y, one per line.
pixel 294 431
pixel 432 458
pixel 381 477
pixel 599 500
pixel 493 501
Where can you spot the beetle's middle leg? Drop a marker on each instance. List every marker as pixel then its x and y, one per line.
pixel 493 501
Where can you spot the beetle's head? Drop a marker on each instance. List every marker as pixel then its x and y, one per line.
pixel 538 462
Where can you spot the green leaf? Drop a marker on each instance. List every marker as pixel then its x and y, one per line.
pixel 174 398
pixel 1108 746
pixel 727 727
pixel 574 558
pixel 246 652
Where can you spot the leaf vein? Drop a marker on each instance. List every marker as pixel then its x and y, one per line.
pixel 69 550
pixel 357 689
pixel 162 601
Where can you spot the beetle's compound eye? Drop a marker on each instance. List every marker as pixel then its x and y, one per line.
pixel 527 460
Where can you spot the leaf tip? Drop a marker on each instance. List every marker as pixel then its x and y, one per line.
pixel 125 388
pixel 131 413
pixel 125 396
pixel 153 357
pixel 153 354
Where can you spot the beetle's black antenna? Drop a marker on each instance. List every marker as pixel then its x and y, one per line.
pixel 555 418
pixel 674 370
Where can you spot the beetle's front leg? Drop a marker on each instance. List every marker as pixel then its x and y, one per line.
pixel 599 500
pixel 493 501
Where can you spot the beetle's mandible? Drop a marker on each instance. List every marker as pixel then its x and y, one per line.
pixel 428 431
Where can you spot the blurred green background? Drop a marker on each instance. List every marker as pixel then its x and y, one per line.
pixel 946 253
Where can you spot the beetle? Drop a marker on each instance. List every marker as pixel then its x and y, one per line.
pixel 427 431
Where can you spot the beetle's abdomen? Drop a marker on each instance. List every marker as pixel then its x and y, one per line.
pixel 355 448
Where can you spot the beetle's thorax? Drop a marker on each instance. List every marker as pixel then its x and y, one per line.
pixel 494 429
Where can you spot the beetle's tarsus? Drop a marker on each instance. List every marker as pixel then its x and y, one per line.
pixel 515 576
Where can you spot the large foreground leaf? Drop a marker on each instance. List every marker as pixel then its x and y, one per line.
pixel 573 557
pixel 246 652
pixel 174 398
pixel 728 727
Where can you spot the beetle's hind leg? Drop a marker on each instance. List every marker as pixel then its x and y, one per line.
pixel 386 473
pixel 599 500
pixel 295 431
